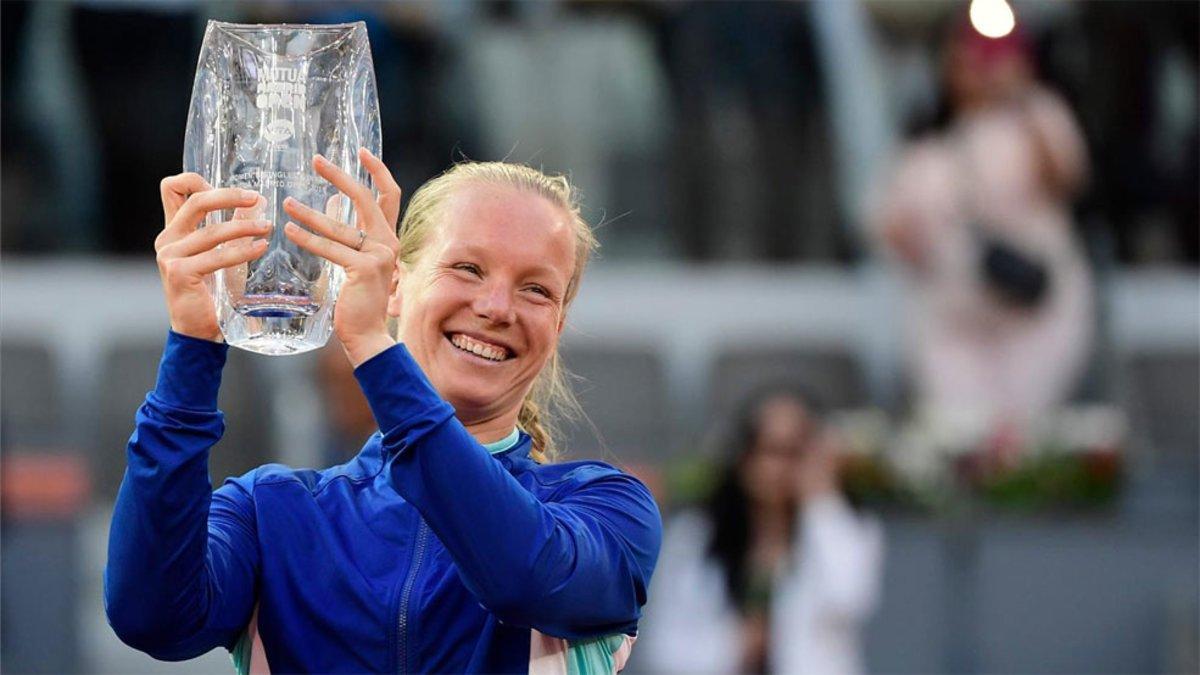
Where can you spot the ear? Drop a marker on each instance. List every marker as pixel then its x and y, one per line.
pixel 396 298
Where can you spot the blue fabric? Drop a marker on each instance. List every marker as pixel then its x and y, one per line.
pixel 422 554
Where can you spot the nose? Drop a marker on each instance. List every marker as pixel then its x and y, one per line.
pixel 495 304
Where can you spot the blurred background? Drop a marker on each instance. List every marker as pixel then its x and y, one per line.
pixel 967 233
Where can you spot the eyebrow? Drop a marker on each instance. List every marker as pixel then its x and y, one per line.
pixel 481 251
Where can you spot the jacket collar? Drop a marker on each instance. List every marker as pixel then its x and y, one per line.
pixel 515 445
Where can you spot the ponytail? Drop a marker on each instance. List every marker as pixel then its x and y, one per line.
pixel 529 419
pixel 549 402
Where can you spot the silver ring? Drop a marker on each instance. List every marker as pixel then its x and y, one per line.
pixel 362 238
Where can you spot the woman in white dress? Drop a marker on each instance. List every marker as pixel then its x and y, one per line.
pixel 776 572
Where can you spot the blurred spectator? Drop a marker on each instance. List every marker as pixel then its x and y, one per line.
pixel 137 105
pixel 578 92
pixel 752 136
pixel 978 215
pixel 775 573
pixel 17 133
pixel 1139 101
pixel 47 148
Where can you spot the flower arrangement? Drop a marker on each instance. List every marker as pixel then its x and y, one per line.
pixel 939 460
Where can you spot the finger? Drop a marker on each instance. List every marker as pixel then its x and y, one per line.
pixel 373 221
pixel 227 256
pixel 389 190
pixel 323 225
pixel 335 205
pixel 329 249
pixel 243 241
pixel 253 212
pixel 209 237
pixel 175 190
pixel 198 205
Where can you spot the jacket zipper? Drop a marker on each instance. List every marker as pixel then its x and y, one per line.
pixel 406 593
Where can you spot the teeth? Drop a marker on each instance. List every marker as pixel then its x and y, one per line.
pixel 478 348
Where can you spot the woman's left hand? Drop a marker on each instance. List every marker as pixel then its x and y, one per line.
pixel 817 472
pixel 368 254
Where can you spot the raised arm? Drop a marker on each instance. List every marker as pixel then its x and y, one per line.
pixel 1062 151
pixel 576 567
pixel 842 551
pixel 181 559
pixel 846 554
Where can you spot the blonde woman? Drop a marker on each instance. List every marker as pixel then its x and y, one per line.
pixel 452 542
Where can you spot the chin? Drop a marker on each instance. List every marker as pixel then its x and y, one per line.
pixel 468 397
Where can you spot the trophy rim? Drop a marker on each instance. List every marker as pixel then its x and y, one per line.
pixel 231 29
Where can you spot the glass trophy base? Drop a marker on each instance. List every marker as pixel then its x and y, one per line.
pixel 274 336
pixel 276 325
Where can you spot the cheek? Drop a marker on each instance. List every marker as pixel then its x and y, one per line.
pixel 767 475
pixel 417 332
pixel 431 306
pixel 412 322
pixel 755 475
pixel 541 328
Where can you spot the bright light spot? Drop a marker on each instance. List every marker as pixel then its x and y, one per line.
pixel 992 18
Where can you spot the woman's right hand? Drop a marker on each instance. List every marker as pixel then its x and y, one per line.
pixel 187 253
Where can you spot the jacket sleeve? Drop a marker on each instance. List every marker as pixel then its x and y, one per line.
pixel 181 559
pixel 576 567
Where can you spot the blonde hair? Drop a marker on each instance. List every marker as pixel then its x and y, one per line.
pixel 550 399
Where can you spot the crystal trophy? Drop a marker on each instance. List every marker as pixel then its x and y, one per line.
pixel 266 99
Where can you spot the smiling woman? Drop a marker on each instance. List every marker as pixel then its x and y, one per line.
pixel 504 231
pixel 451 543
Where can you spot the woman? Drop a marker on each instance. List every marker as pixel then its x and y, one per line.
pixel 991 339
pixel 775 573
pixel 450 543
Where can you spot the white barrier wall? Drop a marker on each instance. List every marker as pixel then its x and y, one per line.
pixel 79 307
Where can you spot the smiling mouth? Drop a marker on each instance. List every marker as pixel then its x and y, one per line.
pixel 478 348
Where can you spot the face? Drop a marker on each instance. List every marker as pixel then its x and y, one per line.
pixel 784 430
pixel 482 309
pixel 976 78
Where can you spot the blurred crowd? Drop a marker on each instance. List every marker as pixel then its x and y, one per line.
pixel 1000 178
pixel 700 131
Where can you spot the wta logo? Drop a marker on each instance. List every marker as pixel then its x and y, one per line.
pixel 281 90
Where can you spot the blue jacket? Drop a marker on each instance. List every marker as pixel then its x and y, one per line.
pixel 422 554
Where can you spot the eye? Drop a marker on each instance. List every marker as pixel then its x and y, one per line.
pixel 540 290
pixel 470 268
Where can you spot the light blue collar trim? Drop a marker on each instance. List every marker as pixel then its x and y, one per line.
pixel 505 443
